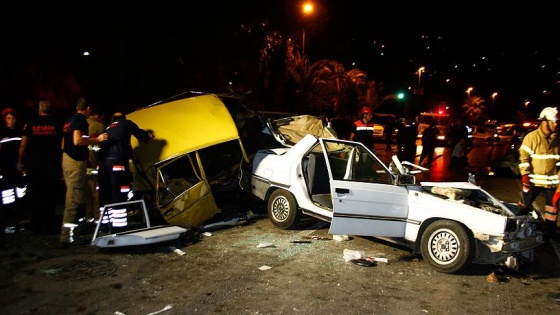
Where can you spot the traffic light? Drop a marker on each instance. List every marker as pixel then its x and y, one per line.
pixel 400 95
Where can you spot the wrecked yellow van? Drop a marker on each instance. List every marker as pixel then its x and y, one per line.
pixel 196 146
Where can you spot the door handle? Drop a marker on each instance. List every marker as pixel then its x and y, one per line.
pixel 342 190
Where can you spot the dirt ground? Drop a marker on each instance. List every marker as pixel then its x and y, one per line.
pixel 227 272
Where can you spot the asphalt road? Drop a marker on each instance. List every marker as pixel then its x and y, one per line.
pixel 254 268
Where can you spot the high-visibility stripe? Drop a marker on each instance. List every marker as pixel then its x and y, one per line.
pixel 118 168
pixel 550 213
pixel 21 191
pixel 5 140
pixel 360 128
pixel 544 179
pixel 8 196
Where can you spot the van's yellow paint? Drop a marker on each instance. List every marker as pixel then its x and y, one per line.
pixel 181 127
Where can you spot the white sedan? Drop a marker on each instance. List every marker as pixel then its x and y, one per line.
pixel 342 182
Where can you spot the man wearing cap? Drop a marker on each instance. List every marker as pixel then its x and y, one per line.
pixel 362 129
pixel 539 165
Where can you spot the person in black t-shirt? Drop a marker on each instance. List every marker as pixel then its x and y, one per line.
pixel 74 166
pixel 40 155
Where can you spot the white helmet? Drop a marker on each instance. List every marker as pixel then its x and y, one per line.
pixel 549 113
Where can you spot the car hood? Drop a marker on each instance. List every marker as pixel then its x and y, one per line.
pixel 290 130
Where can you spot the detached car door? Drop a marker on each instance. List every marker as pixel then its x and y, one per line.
pixel 365 200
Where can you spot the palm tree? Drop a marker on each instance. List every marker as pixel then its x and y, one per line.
pixel 316 86
pixel 474 109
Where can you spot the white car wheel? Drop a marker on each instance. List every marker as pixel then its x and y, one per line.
pixel 282 209
pixel 447 246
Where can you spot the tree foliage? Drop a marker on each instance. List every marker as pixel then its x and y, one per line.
pixel 475 110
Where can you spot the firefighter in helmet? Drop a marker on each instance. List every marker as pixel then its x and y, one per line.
pixel 362 129
pixel 539 166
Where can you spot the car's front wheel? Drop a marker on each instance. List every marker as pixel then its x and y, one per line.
pixel 283 210
pixel 447 246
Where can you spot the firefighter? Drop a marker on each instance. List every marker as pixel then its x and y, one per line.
pixel 362 129
pixel 539 166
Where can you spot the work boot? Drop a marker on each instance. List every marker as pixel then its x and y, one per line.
pixel 550 230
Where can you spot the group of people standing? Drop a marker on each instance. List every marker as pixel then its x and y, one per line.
pixel 74 150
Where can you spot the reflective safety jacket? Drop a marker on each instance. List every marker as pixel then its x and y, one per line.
pixel 539 157
pixel 363 132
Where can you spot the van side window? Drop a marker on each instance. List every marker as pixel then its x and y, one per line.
pixel 220 162
pixel 176 177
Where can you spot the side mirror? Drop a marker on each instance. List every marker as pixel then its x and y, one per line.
pixel 406 180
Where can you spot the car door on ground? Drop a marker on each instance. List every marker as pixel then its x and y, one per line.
pixel 365 201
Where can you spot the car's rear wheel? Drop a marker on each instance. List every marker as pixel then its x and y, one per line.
pixel 283 210
pixel 447 246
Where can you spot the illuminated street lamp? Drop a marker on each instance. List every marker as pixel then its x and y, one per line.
pixel 469 92
pixel 307 8
pixel 494 98
pixel 420 70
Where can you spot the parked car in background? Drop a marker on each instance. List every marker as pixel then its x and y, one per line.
pixel 442 123
pixel 482 134
pixel 380 120
pixel 342 182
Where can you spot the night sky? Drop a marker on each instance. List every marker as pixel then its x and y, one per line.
pixel 143 52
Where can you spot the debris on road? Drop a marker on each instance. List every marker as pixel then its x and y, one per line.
pixel 177 251
pixel 265 267
pixel 356 257
pixel 228 223
pixel 340 238
pixel 493 277
pixel 317 237
pixel 350 254
pixel 363 262
pixel 166 308
pixel 265 245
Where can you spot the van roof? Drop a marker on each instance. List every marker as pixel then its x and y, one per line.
pixel 181 126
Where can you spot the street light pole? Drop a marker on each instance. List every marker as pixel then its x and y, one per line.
pixel 307 9
pixel 494 98
pixel 469 92
pixel 493 101
pixel 419 92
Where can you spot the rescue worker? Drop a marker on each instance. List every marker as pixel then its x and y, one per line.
pixel 406 141
pixel 362 129
pixel 75 144
pixel 95 128
pixel 115 177
pixel 12 184
pixel 40 156
pixel 539 166
pixel 429 142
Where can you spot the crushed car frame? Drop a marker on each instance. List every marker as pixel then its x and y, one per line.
pixel 452 224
